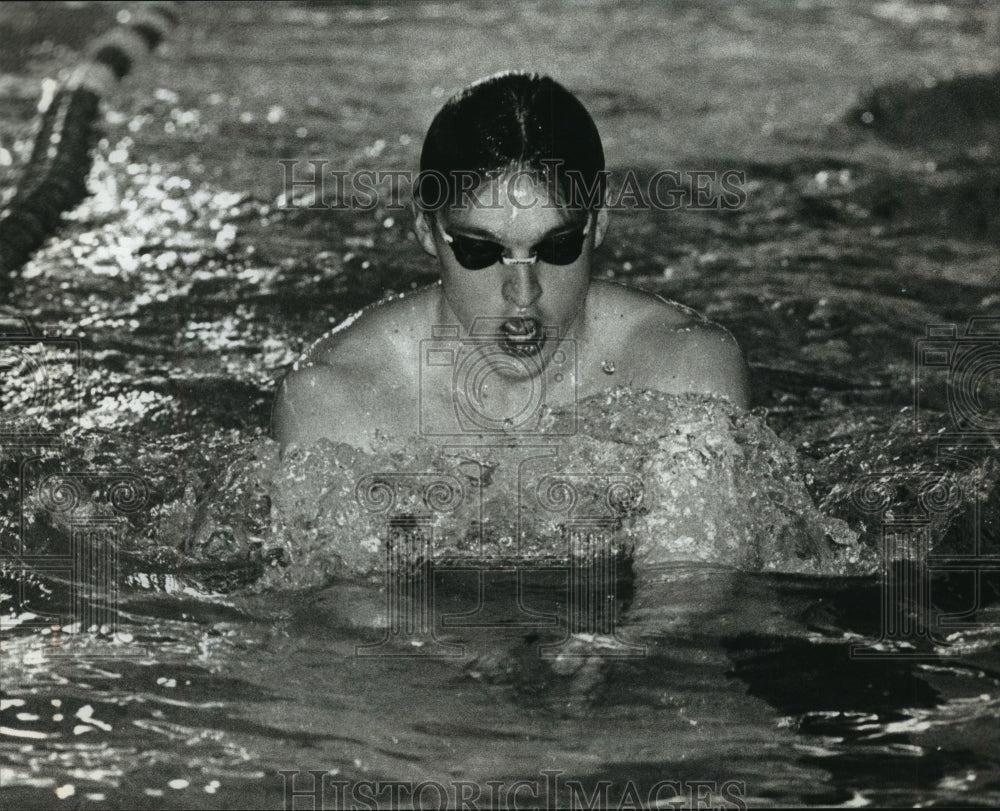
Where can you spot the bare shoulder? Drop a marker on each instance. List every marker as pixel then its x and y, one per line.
pixel 673 348
pixel 310 405
pixel 629 305
pixel 345 385
pixel 382 327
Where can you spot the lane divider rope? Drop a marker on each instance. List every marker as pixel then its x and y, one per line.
pixel 54 179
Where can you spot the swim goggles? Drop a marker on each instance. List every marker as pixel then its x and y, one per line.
pixel 473 253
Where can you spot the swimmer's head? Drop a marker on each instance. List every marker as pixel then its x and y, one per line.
pixel 511 202
pixel 512 124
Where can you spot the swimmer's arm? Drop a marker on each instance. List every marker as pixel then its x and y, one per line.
pixel 699 357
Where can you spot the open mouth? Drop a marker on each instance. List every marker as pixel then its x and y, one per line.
pixel 521 336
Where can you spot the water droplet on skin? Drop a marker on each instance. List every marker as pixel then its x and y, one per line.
pixel 608 367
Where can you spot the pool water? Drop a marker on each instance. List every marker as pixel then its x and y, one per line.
pixel 180 292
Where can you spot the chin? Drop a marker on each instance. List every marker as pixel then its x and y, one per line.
pixel 522 361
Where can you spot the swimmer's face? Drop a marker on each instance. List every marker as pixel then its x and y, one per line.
pixel 524 299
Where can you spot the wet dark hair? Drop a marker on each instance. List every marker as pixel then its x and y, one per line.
pixel 508 122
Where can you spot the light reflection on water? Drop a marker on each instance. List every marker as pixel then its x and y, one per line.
pixel 737 684
pixel 199 292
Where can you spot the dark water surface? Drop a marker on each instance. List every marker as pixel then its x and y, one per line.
pixel 869 138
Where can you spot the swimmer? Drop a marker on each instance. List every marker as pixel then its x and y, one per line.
pixel 511 203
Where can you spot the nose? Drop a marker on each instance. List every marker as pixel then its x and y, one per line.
pixel 521 287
